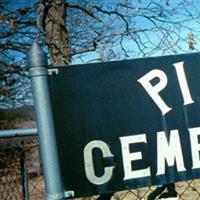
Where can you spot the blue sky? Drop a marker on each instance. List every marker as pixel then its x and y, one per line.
pixel 138 22
pixel 173 38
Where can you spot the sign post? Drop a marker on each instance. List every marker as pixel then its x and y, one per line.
pixel 38 73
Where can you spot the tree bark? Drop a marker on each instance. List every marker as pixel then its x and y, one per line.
pixel 56 32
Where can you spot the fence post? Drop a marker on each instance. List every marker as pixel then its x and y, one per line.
pixel 38 73
pixel 24 172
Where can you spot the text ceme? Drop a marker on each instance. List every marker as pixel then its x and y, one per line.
pixel 169 153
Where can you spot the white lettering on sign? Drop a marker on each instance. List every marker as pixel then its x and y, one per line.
pixel 153 90
pixel 169 150
pixel 195 146
pixel 129 157
pixel 169 153
pixel 183 83
pixel 89 164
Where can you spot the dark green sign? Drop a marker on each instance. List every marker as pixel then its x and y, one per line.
pixel 127 124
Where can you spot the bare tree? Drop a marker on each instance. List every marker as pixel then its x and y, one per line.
pixel 17 30
pixel 90 31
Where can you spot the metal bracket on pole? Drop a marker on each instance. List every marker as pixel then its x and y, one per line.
pixel 66 194
pixel 69 194
pixel 53 72
pixel 45 123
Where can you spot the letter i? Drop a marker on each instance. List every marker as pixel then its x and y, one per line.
pixel 183 83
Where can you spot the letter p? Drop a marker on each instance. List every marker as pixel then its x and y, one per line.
pixel 153 90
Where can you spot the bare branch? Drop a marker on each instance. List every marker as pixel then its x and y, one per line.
pixel 85 10
pixel 113 13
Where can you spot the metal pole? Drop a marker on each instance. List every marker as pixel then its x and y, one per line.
pixel 38 73
pixel 18 132
pixel 24 172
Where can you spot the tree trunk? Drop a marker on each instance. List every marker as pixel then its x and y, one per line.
pixel 56 32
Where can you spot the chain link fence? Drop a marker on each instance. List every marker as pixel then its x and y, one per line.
pixel 20 169
pixel 21 175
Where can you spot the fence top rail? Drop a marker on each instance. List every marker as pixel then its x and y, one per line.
pixel 18 132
